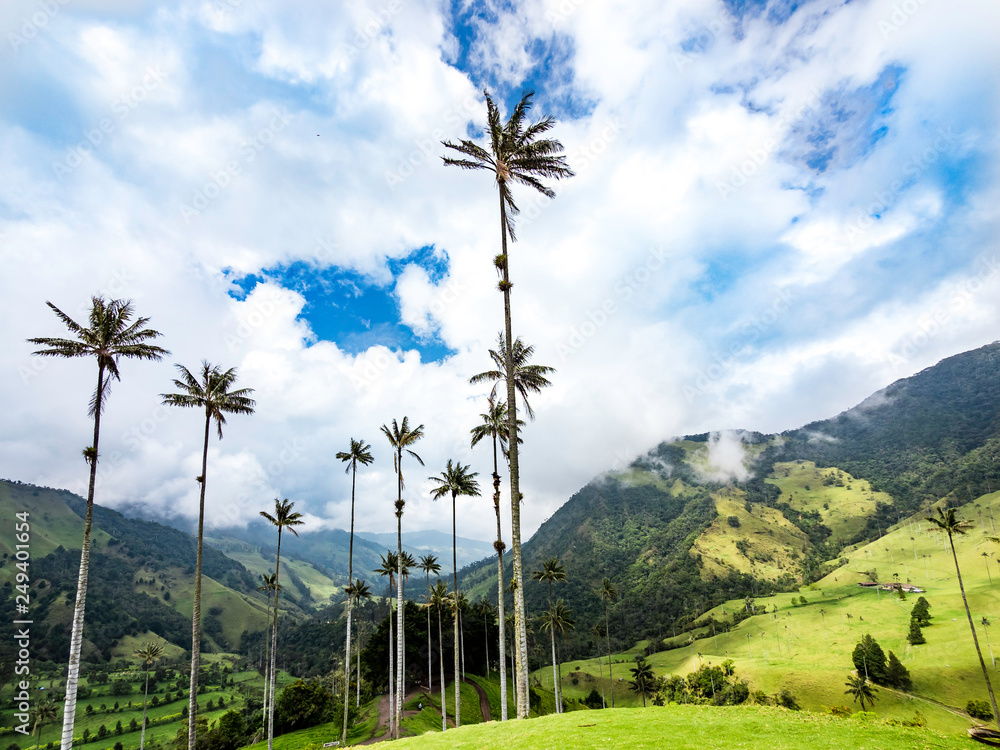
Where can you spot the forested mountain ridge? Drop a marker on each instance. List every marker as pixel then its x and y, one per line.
pixel 676 533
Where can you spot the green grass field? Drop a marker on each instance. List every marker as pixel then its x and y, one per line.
pixel 686 728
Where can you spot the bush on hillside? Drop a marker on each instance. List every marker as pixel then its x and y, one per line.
pixel 979 710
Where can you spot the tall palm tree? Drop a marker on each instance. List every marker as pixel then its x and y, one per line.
pixel 461 607
pixel 528 378
pixel 358 452
pixel 643 681
pixel 861 689
pixel 437 597
pixel 355 591
pixel 147 654
pixel 455 480
pixel 429 564
pixel 111 335
pixel 494 425
pixel 401 437
pixel 552 571
pixel 951 525
pixel 46 711
pixel 557 619
pixel 390 568
pixel 269 585
pixel 598 632
pixel 284 518
pixel 517 154
pixel 608 594
pixel 362 593
pixel 213 394
pixel 486 611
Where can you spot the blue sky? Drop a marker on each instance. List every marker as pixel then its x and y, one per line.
pixel 778 208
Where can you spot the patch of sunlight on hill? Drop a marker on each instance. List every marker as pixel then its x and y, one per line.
pixel 53 523
pixel 843 502
pixel 765 544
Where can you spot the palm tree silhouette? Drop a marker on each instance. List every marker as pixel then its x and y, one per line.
pixel 455 480
pixel 557 619
pixel 46 711
pixel 437 597
pixel 951 525
pixel 269 585
pixel 148 654
pixel 517 154
pixel 111 335
pixel 861 689
pixel 356 591
pixel 528 378
pixel 284 517
pixel 643 681
pixel 400 437
pixel 211 393
pixel 358 453
pixel 390 567
pixel 494 425
pixel 429 564
pixel 608 594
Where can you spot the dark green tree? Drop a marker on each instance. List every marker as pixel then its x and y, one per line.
pixel 921 612
pixel 302 705
pixel 896 675
pixel 915 637
pixel 861 689
pixel 869 659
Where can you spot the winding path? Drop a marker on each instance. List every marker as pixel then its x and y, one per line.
pixel 484 702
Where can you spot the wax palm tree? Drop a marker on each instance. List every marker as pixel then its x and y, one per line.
pixel 401 437
pixel 608 594
pixel 429 564
pixel 362 594
pixel 438 598
pixel 598 632
pixel 455 480
pixel 487 612
pixel 269 585
pixel 494 425
pixel 358 453
pixel 643 680
pixel 356 591
pixel 111 335
pixel 557 619
pixel 284 518
pixel 391 568
pixel 552 571
pixel 517 154
pixel 528 378
pixel 213 393
pixel 148 654
pixel 462 606
pixel 861 689
pixel 951 525
pixel 46 711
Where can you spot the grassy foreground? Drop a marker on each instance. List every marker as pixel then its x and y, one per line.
pixel 687 728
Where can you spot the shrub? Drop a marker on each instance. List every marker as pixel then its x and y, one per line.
pixel 979 710
pixel 593 700
pixel 733 521
pixel 787 700
pixel 841 712
pixel 915 637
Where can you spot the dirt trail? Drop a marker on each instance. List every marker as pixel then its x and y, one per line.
pixel 484 702
pixel 381 730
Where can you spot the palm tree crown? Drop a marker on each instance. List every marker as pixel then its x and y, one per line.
pixel 552 571
pixel 528 378
pixel 211 393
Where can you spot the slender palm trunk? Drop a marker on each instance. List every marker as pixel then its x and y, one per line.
pixel 444 703
pixel 274 647
pixel 975 640
pixel 267 661
pixel 400 635
pixel 501 622
pixel 350 580
pixel 555 678
pixel 454 570
pixel 357 676
pixel 392 671
pixel 607 635
pixel 520 625
pixel 486 640
pixel 196 613
pixel 145 694
pixel 76 639
pixel 600 665
pixel 461 639
pixel 430 652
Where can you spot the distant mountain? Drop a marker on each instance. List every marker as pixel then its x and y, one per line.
pixel 686 526
pixel 431 542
